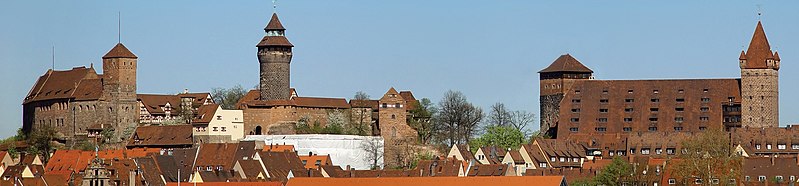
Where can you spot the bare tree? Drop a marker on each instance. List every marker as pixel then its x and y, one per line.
pixel 499 115
pixel 360 115
pixel 421 120
pixel 360 95
pixel 374 151
pixel 521 120
pixel 457 119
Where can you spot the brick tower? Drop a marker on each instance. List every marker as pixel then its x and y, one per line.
pixel 759 82
pixel 392 122
pixel 119 88
pixel 274 55
pixel 555 80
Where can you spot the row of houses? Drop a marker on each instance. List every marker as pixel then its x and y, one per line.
pixel 242 163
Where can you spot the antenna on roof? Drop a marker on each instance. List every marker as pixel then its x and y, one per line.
pixel 274 6
pixel 119 27
pixel 53 55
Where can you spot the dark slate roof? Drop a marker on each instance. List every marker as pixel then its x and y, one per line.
pixel 119 51
pixel 566 63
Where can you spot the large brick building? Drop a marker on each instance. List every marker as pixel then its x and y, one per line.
pixel 576 106
pixel 72 101
pixel 276 108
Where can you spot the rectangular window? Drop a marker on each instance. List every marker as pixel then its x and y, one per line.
pixel 552 158
pixel 781 146
pixel 603 110
pixel 794 146
pixel 653 128
pixel 705 100
pixel 602 120
pixel 575 110
pixel 603 100
pixel 654 109
pixel 632 151
pixel 704 118
pixel 576 91
pixel 645 151
pixel 629 100
pixel 627 129
pixel 655 91
pixel 575 100
pixel 628 119
pixel 704 109
pixel 628 110
pixel 575 119
pixel 223 129
pixel 655 100
pixel 562 159
pixel 757 146
pixel 678 129
pixel 702 128
pixel 768 146
pixel 679 109
pixel 658 151
pixel 601 129
pixel 215 129
pixel 542 165
pixel 218 117
pixel 680 100
pixel 653 119
pixel 678 119
pixel 761 178
pixel 670 151
pixel 630 91
pixel 672 181
pixel 574 129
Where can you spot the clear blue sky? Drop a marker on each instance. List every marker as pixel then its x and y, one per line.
pixel 489 50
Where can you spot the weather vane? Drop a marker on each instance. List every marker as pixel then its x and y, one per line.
pixel 274 6
pixel 759 11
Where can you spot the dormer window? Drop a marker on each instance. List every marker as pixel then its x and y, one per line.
pixel 275 33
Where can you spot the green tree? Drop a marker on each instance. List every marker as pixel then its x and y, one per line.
pixel 611 174
pixel 227 98
pixel 40 142
pixel 501 136
pixel 421 120
pixel 708 156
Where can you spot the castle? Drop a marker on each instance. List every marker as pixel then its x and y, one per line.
pixel 601 113
pixel 75 101
pixel 276 108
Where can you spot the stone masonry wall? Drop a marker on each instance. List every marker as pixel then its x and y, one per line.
pixel 760 93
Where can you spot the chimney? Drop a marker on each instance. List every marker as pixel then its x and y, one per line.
pixel 310 153
pixel 348 167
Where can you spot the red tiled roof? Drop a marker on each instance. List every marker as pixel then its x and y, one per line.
pixel 119 51
pixel 205 113
pixel 274 23
pixel 278 148
pixel 566 63
pixel 438 181
pixel 216 154
pixel 154 102
pixel 274 41
pixel 365 104
pixel 65 85
pixel 169 135
pixel 273 183
pixel 310 161
pixel 321 102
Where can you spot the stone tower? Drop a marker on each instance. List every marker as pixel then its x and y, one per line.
pixel 759 82
pixel 274 55
pixel 119 88
pixel 555 80
pixel 392 122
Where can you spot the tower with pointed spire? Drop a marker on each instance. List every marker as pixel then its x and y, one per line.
pixel 274 55
pixel 759 82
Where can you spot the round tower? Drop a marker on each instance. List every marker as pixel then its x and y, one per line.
pixel 274 55
pixel 759 82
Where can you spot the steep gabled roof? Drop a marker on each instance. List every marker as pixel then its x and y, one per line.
pixel 566 63
pixel 119 51
pixel 65 85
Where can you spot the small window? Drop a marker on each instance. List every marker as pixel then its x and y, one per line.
pixel 705 109
pixel 672 181
pixel 630 91
pixel 670 151
pixel 761 178
pixel 218 117
pixel 704 118
pixel 781 146
pixel 757 146
pixel 627 129
pixel 603 110
pixel 705 100
pixel 628 119
pixel 655 91
pixel 678 119
pixel 680 100
pixel 576 91
pixel 604 91
pixel 224 129
pixel 629 100
pixel 542 165
pixel 576 110
pixel 632 151
pixel 575 119
pixel 215 128
pixel 603 101
pixel 653 129
pixel 768 146
pixel 705 90
pixel 658 151
pixel 679 109
pixel 628 110
pixel 553 158
pixel 574 129
pixel 645 151
pixel 654 109
pixel 602 120
pixel 702 128
pixel 653 119
pixel 678 129
pixel 794 146
pixel 385 105
pixel 680 91
pixel 601 129
pixel 575 100
pixel 655 100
